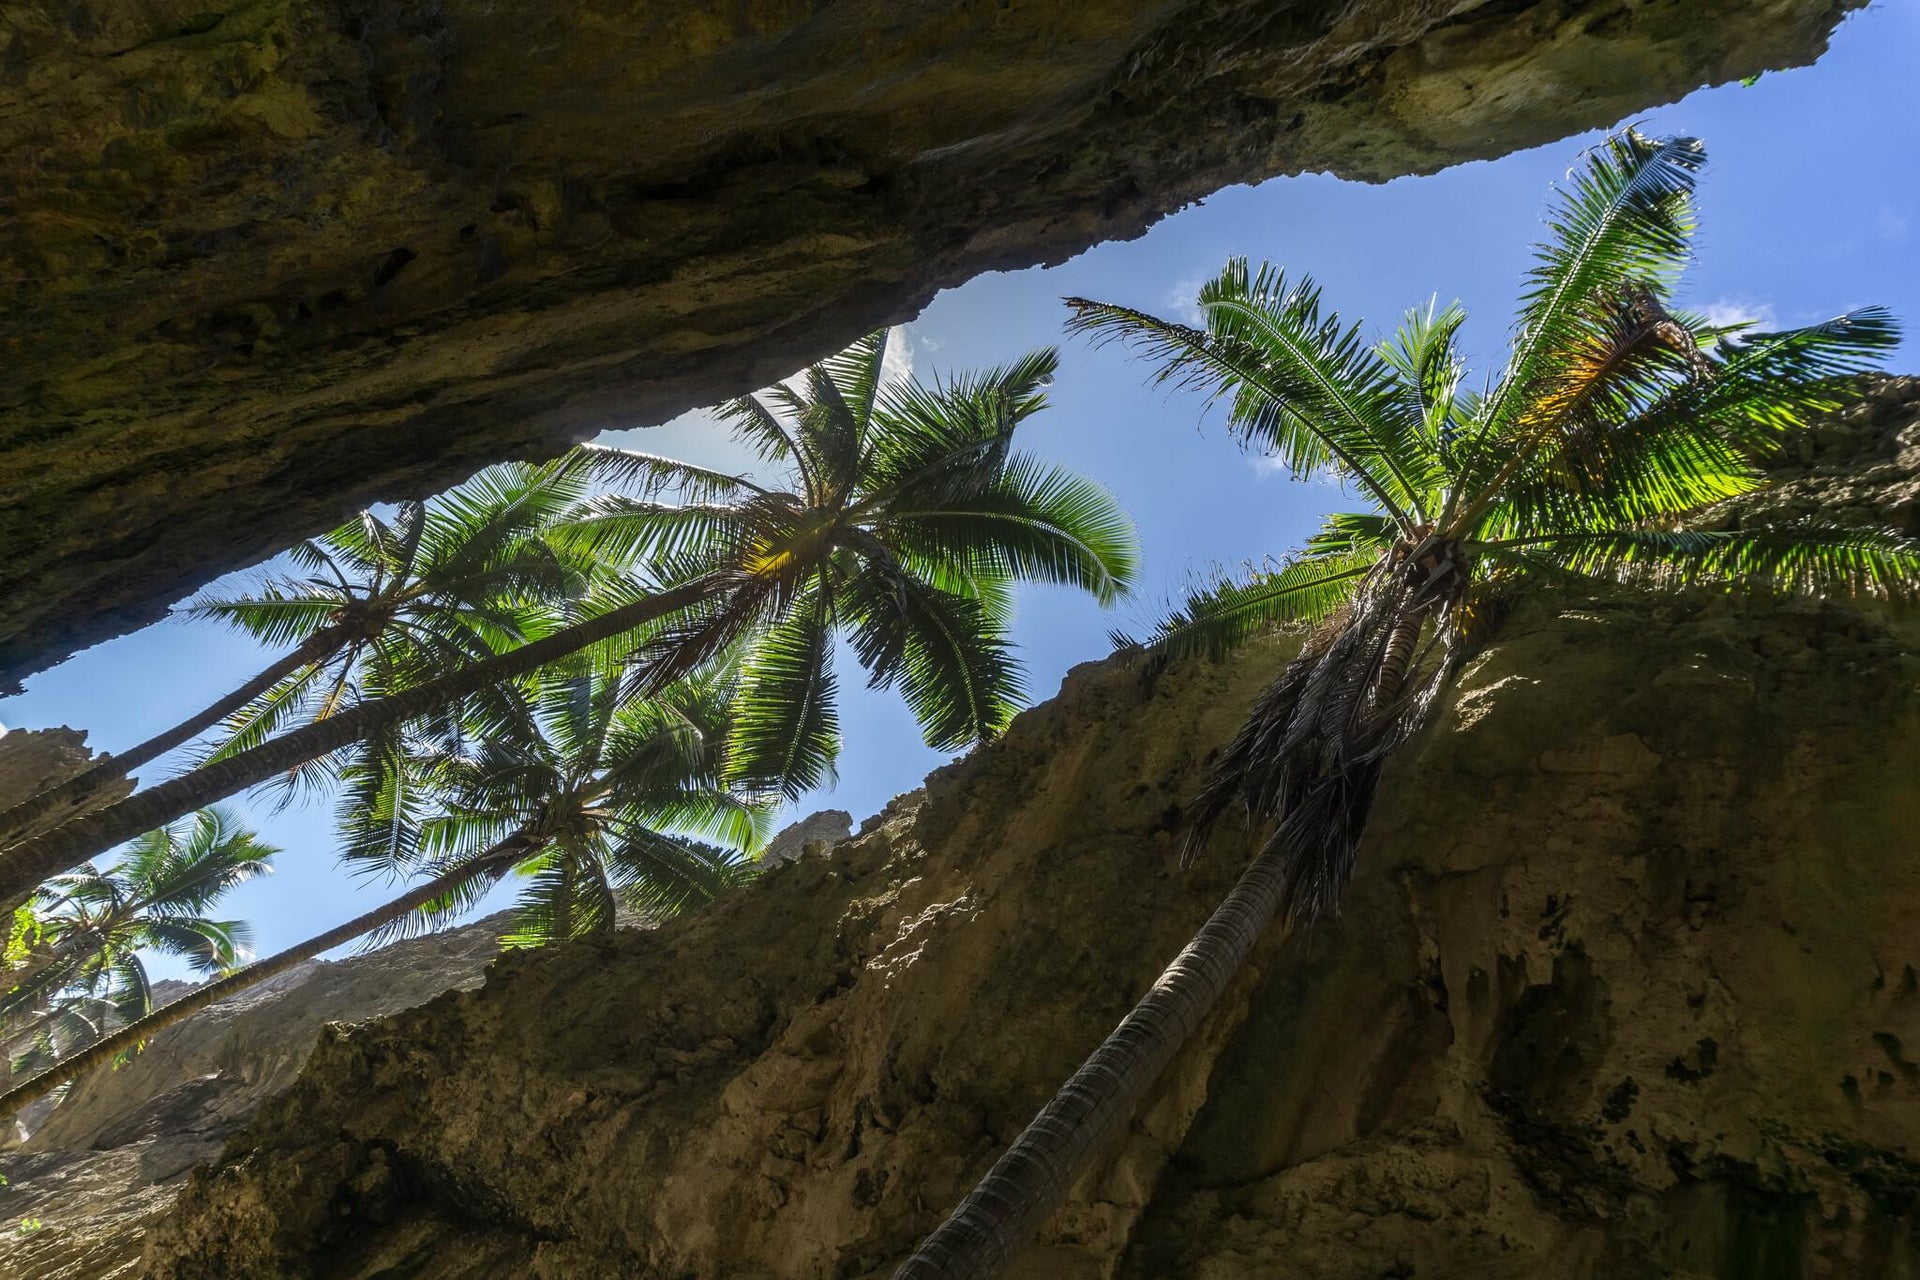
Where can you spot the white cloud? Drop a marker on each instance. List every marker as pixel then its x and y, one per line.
pixel 1726 311
pixel 1893 224
pixel 897 364
pixel 1183 299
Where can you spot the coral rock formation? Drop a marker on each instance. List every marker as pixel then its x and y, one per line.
pixel 1628 985
pixel 263 263
pixel 97 1167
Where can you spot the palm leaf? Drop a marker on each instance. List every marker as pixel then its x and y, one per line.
pixel 786 731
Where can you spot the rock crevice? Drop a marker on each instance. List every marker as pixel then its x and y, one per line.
pixel 1626 986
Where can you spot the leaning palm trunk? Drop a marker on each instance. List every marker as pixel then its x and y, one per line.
pixel 71 794
pixel 34 860
pixel 494 861
pixel 1029 1182
pixel 1310 754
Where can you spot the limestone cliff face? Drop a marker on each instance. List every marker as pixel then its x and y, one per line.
pixel 93 1170
pixel 261 263
pixel 1628 986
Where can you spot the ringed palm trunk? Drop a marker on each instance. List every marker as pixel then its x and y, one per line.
pixel 497 858
pixel 33 860
pixel 70 794
pixel 1032 1179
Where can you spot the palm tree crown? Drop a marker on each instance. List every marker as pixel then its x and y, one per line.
pixel 1617 419
pixel 603 798
pixel 80 967
pixel 394 599
pixel 908 518
pixel 909 521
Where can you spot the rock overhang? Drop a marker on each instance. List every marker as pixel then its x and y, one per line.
pixel 268 262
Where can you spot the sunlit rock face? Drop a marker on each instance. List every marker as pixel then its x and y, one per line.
pixel 1628 985
pixel 94 1169
pixel 261 264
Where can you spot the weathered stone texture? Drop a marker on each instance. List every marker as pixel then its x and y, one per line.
pixel 263 262
pixel 114 1152
pixel 1628 986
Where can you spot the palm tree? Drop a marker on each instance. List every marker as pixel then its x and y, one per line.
pixel 910 519
pixel 80 969
pixel 609 792
pixel 439 584
pixel 1590 458
pixel 591 803
pixel 907 517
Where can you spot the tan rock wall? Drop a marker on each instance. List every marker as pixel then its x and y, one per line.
pixel 1628 985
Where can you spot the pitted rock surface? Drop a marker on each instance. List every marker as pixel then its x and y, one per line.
pixel 1628 985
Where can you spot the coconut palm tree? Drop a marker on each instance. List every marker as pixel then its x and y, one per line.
pixel 611 793
pixel 1616 420
pixel 910 517
pixel 594 802
pixel 906 518
pixel 436 585
pixel 80 969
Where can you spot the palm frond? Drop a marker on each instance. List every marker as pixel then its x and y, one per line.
pixel 1219 616
pixel 786 729
pixel 1300 387
pixel 1035 523
pixel 1626 220
pixel 1795 558
pixel 947 652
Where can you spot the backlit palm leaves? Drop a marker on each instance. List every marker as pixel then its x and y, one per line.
pixel 391 601
pixel 606 800
pixel 78 969
pixel 907 520
pixel 1617 417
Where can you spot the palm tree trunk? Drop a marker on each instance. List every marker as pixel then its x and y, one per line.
pixel 32 811
pixel 33 860
pixel 500 856
pixel 1032 1179
pixel 1396 660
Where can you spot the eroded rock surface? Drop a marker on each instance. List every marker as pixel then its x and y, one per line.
pixel 1628 986
pixel 98 1166
pixel 261 263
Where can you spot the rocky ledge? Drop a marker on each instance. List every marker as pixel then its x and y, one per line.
pixel 82 1184
pixel 1628 985
pixel 264 262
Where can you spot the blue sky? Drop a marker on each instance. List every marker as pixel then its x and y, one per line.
pixel 1810 206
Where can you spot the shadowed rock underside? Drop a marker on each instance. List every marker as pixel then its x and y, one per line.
pixel 262 263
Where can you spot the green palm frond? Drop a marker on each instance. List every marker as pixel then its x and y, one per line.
pixel 569 897
pixel 647 476
pixel 857 373
pixel 1429 370
pixel 663 875
pixel 1035 523
pixel 1625 221
pixel 947 652
pixel 1299 387
pixel 786 729
pixel 1218 617
pixel 1808 558
pixel 630 532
